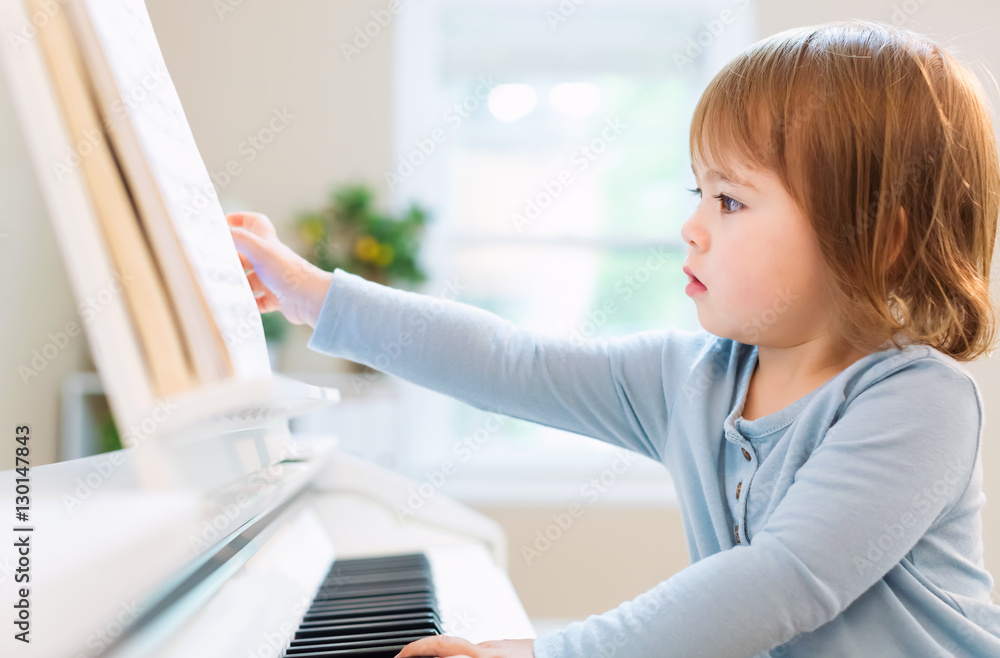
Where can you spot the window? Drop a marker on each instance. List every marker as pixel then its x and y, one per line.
pixel 551 140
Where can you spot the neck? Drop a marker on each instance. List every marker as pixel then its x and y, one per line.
pixel 805 364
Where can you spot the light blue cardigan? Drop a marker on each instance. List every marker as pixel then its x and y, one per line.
pixel 857 529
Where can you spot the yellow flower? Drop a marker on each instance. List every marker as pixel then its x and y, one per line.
pixel 312 229
pixel 385 255
pixel 366 248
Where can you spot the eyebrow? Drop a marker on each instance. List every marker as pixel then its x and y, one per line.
pixel 718 175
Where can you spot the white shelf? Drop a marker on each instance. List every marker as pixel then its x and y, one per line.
pixel 205 437
pixel 235 405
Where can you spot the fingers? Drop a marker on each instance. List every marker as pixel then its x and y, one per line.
pixel 249 244
pixel 255 222
pixel 257 286
pixel 444 646
pixel 245 262
pixel 267 302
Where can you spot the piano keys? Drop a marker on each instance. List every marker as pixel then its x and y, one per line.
pixel 369 607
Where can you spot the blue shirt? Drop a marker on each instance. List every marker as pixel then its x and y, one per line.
pixel 847 524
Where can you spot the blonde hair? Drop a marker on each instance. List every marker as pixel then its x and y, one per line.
pixel 886 143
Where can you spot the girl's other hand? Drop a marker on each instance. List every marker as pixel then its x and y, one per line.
pixel 446 646
pixel 281 280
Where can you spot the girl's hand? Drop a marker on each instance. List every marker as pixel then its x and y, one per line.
pixel 280 279
pixel 446 646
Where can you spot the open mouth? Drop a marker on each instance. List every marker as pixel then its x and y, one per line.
pixel 694 285
pixel 691 277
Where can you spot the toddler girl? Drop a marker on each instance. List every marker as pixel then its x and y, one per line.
pixel 821 432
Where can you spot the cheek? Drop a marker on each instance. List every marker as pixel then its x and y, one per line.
pixel 802 265
pixel 746 275
pixel 767 268
pixel 794 275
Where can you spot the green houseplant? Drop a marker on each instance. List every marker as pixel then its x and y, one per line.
pixel 352 235
pixel 275 329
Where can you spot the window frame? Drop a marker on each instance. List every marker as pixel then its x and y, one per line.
pixel 553 480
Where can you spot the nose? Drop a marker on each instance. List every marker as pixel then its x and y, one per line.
pixel 694 234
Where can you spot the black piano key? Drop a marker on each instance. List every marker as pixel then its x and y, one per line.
pixel 370 607
pixel 371 574
pixel 387 617
pixel 384 639
pixel 382 636
pixel 363 603
pixel 376 591
pixel 332 630
pixel 331 615
pixel 365 652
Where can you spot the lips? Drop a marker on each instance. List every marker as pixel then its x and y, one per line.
pixel 694 288
pixel 691 275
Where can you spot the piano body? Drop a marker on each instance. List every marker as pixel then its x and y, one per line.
pixel 234 537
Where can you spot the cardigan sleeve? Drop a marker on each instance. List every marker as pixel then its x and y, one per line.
pixel 617 390
pixel 897 460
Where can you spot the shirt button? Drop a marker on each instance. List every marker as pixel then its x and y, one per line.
pixel 746 454
pixel 738 487
pixel 737 529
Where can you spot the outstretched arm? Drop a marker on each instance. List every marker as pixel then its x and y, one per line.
pixel 619 390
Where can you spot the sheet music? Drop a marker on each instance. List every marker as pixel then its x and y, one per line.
pixel 150 102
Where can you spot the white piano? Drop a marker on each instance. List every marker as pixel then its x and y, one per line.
pixel 229 536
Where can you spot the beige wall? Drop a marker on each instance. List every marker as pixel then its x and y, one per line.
pixel 231 73
pixel 233 70
pixel 607 556
pixel 35 298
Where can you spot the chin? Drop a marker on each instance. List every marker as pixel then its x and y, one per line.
pixel 724 329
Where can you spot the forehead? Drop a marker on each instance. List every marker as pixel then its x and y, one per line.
pixel 723 148
pixel 744 178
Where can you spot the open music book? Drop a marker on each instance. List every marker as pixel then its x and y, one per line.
pixel 131 201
